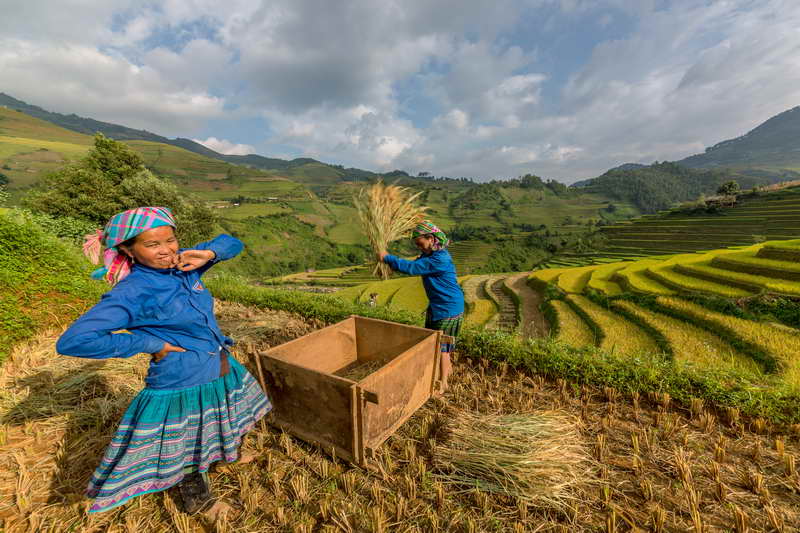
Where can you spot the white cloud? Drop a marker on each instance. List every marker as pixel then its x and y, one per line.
pixel 341 81
pixel 103 86
pixel 226 147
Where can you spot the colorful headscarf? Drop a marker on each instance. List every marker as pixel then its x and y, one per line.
pixel 120 228
pixel 426 227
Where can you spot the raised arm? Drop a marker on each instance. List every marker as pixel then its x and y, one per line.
pixel 93 334
pixel 224 247
pixel 418 267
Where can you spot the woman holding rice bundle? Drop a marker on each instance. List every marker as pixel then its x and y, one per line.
pixel 198 401
pixel 446 300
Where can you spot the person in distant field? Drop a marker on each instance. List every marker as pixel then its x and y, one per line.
pixel 198 401
pixel 373 299
pixel 445 298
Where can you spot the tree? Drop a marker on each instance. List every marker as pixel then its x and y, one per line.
pixel 112 178
pixel 729 188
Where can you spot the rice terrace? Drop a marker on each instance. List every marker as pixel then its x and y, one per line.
pixel 494 330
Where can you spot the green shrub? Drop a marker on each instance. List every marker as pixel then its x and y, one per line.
pixel 112 178
pixel 43 280
pixel 69 228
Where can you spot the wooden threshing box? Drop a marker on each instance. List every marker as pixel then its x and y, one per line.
pixel 352 418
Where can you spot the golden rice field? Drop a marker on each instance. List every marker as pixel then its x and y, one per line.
pixel 697 336
pixel 572 330
pixel 600 279
pixel 620 336
pixel 693 345
pixel 575 280
pixel 782 343
pixel 480 307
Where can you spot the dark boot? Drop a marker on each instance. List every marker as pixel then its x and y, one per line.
pixel 195 492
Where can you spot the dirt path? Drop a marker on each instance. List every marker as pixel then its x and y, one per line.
pixel 507 315
pixel 533 321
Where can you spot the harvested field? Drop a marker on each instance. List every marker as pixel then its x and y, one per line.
pixel 655 466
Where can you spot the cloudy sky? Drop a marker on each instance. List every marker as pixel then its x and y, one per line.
pixel 480 88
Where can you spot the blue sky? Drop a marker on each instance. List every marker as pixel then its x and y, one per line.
pixel 562 88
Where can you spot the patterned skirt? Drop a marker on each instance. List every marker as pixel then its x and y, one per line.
pixel 166 433
pixel 449 326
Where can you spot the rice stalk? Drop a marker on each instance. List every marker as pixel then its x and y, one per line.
pixel 775 518
pixel 387 213
pixel 537 458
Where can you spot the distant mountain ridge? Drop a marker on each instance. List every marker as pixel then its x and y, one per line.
pixel 90 126
pixel 772 145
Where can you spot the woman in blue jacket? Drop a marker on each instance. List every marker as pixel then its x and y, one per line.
pixel 198 401
pixel 446 300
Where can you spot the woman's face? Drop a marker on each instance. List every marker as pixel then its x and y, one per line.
pixel 156 248
pixel 424 243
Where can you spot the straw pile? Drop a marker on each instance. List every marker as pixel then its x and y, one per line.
pixel 537 458
pixel 387 213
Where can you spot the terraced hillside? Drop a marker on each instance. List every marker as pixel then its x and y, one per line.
pixel 684 307
pixel 771 216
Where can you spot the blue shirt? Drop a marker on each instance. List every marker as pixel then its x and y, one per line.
pixel 439 279
pixel 156 306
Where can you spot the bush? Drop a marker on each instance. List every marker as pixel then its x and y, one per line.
pixel 112 178
pixel 69 228
pixel 729 188
pixel 43 280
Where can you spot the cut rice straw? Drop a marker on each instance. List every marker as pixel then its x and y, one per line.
pixel 387 213
pixel 538 458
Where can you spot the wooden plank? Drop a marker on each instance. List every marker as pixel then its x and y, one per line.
pixel 403 385
pixel 376 339
pixel 307 436
pixel 316 404
pixel 325 350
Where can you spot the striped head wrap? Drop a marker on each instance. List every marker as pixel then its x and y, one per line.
pixel 426 227
pixel 120 228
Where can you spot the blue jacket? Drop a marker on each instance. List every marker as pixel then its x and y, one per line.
pixel 439 279
pixel 156 306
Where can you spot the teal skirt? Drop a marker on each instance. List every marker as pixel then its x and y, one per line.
pixel 166 433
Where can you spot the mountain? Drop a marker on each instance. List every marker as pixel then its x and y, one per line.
pixel 90 126
pixel 772 147
pixel 661 185
pixel 769 153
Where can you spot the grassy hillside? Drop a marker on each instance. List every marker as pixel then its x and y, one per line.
pixel 773 215
pixel 663 185
pixel 43 281
pixel 491 222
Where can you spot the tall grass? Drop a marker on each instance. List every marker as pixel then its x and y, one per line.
pixel 387 213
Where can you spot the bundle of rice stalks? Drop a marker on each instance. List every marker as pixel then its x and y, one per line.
pixel 387 213
pixel 537 458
